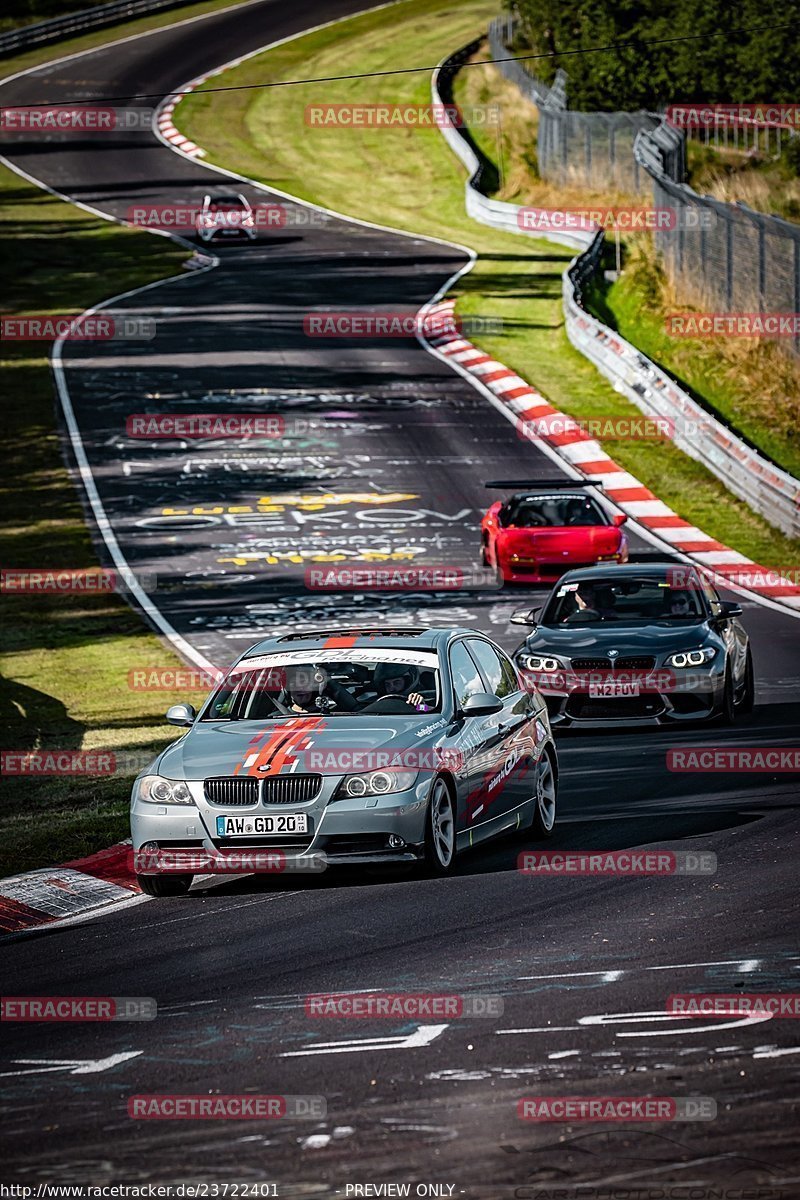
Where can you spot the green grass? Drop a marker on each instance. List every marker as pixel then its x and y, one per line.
pixel 65 660
pixel 409 178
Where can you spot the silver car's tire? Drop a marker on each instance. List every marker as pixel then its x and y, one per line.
pixel 543 802
pixel 440 830
pixel 165 885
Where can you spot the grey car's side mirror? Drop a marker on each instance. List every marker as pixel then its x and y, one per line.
pixel 482 704
pixel 731 609
pixel 525 618
pixel 181 714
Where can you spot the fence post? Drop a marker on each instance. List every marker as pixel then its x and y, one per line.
pixel 728 262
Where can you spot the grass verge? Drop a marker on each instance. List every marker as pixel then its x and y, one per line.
pixel 409 178
pixel 65 659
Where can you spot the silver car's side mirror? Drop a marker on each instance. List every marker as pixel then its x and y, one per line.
pixel 482 704
pixel 181 714
pixel 525 618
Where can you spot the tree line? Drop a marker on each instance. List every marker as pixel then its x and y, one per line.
pixel 718 64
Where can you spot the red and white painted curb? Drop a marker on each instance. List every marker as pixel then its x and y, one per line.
pixel 74 889
pixel 167 129
pixel 524 405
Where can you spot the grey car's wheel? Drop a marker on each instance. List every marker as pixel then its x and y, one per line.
pixel 728 711
pixel 440 830
pixel 748 696
pixel 165 885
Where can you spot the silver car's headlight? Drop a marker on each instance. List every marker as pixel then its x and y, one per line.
pixel 691 658
pixel 157 790
pixel 375 783
pixel 540 662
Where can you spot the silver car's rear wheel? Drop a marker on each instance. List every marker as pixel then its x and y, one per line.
pixel 440 832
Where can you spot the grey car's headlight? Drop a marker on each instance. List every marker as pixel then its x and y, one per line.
pixel 375 783
pixel 540 662
pixel 691 658
pixel 157 790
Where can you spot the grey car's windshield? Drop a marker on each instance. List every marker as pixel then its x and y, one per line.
pixel 601 600
pixel 320 687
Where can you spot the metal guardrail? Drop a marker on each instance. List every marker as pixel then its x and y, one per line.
pixel 496 213
pixel 770 491
pixel 67 26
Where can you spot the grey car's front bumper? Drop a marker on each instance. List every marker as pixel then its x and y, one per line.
pixel 697 697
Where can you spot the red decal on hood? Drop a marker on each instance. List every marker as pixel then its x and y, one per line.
pixel 283 743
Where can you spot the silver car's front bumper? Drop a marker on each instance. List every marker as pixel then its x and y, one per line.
pixel 346 830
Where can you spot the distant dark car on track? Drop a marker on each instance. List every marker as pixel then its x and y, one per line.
pixel 637 644
pixel 366 746
pixel 538 533
pixel 225 215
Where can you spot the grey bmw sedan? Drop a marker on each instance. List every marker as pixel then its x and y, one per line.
pixel 359 746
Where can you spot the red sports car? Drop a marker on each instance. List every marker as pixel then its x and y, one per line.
pixel 537 534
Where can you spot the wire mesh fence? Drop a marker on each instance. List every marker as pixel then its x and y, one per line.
pixel 726 258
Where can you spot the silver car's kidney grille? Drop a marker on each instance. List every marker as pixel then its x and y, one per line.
pixel 234 790
pixel 290 789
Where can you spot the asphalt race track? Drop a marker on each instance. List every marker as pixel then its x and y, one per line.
pixel 583 966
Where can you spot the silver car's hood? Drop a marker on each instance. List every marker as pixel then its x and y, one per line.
pixel 313 744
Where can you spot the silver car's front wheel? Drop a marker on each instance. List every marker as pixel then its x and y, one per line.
pixel 543 801
pixel 440 832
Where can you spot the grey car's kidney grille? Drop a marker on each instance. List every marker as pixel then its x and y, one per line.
pixel 234 790
pixel 290 789
pixel 591 664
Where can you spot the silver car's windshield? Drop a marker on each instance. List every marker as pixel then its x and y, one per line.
pixel 331 687
pixel 625 600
